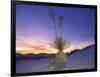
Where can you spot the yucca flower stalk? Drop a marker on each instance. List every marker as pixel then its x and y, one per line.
pixel 61 19
pixel 52 15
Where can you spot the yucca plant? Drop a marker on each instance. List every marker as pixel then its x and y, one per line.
pixel 58 61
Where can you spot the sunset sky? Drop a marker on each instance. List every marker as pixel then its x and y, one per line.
pixel 35 31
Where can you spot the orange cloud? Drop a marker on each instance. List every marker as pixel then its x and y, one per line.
pixel 28 48
pixel 39 47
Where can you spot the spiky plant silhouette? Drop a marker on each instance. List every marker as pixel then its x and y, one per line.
pixel 58 62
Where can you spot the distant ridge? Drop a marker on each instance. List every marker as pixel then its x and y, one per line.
pixel 44 55
pixel 80 50
pixel 31 56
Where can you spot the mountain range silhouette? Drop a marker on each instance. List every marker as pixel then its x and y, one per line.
pixel 86 51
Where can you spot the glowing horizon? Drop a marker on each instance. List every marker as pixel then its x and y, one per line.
pixel 37 50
